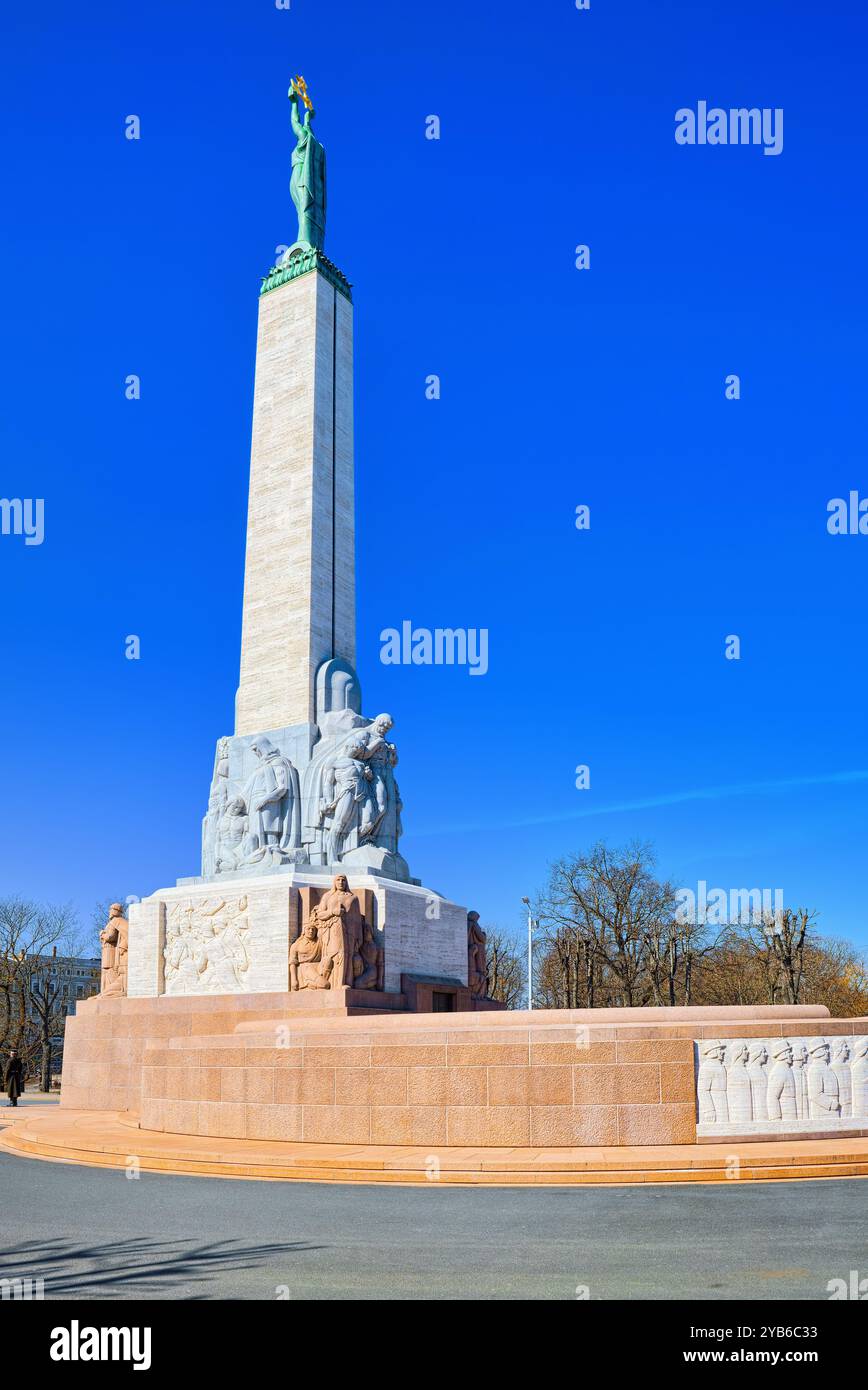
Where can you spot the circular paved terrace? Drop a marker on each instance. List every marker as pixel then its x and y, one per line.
pixel 92 1234
pixel 114 1140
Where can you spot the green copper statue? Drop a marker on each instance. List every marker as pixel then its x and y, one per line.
pixel 308 182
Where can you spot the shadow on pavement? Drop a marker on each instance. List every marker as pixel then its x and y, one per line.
pixel 138 1265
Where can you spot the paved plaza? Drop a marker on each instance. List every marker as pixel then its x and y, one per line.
pixel 94 1234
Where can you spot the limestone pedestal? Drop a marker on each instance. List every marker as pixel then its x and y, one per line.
pixel 243 925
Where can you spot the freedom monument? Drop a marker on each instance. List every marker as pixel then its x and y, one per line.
pixel 303 887
pixel 304 988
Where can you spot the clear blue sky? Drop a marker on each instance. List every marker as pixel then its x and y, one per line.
pixel 560 387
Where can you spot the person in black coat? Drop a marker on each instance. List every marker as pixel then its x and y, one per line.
pixel 14 1077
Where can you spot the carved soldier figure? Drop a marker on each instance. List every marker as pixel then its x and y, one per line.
pixel 738 1085
pixel 182 975
pixel 221 957
pixel 114 938
pixel 822 1083
pixel 843 1075
pixel 711 1084
pixel 800 1062
pixel 756 1070
pixel 205 949
pixel 477 965
pixel 782 1086
pixel 859 1077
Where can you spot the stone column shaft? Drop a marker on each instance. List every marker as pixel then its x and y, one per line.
pixel 299 581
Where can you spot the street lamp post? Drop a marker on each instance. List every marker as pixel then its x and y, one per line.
pixel 530 927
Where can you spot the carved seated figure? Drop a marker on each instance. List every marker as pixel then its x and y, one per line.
pixel 369 961
pixel 305 957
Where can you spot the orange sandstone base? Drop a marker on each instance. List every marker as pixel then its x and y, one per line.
pixel 109 1140
pixel 266 1069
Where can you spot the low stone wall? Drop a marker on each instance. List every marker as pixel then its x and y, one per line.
pixel 105 1041
pixel 257 1067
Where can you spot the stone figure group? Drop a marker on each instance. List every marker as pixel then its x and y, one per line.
pixel 114 942
pixel 337 945
pixel 346 799
pixel 262 821
pixel 351 794
pixel 205 951
pixel 746 1081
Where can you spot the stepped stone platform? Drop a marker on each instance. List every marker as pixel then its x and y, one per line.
pixel 307 1070
pixel 109 1140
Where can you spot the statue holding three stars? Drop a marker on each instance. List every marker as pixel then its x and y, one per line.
pixel 308 182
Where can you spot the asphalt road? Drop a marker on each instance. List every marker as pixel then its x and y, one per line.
pixel 93 1233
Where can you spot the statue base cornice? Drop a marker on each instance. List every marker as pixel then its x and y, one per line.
pixel 301 259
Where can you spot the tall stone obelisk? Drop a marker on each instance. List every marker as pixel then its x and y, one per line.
pixel 299 585
pixel 291 787
pixel 304 809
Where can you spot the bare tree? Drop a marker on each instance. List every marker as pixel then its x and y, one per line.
pixel 506 969
pixel 15 917
pixel 787 933
pixel 774 943
pixel 677 945
pixel 31 979
pixel 609 925
pixel 614 933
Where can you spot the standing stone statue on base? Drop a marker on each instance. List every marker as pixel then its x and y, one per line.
pixel 345 791
pixel 114 939
pixel 477 965
pixel 380 825
pixel 274 804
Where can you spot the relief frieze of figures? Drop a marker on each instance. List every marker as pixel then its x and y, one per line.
pixel 747 1085
pixel 206 950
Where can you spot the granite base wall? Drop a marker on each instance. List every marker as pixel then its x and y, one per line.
pixel 259 1066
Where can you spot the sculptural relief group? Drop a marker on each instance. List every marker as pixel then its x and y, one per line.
pixel 205 951
pixel 747 1083
pixel 336 946
pixel 344 800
